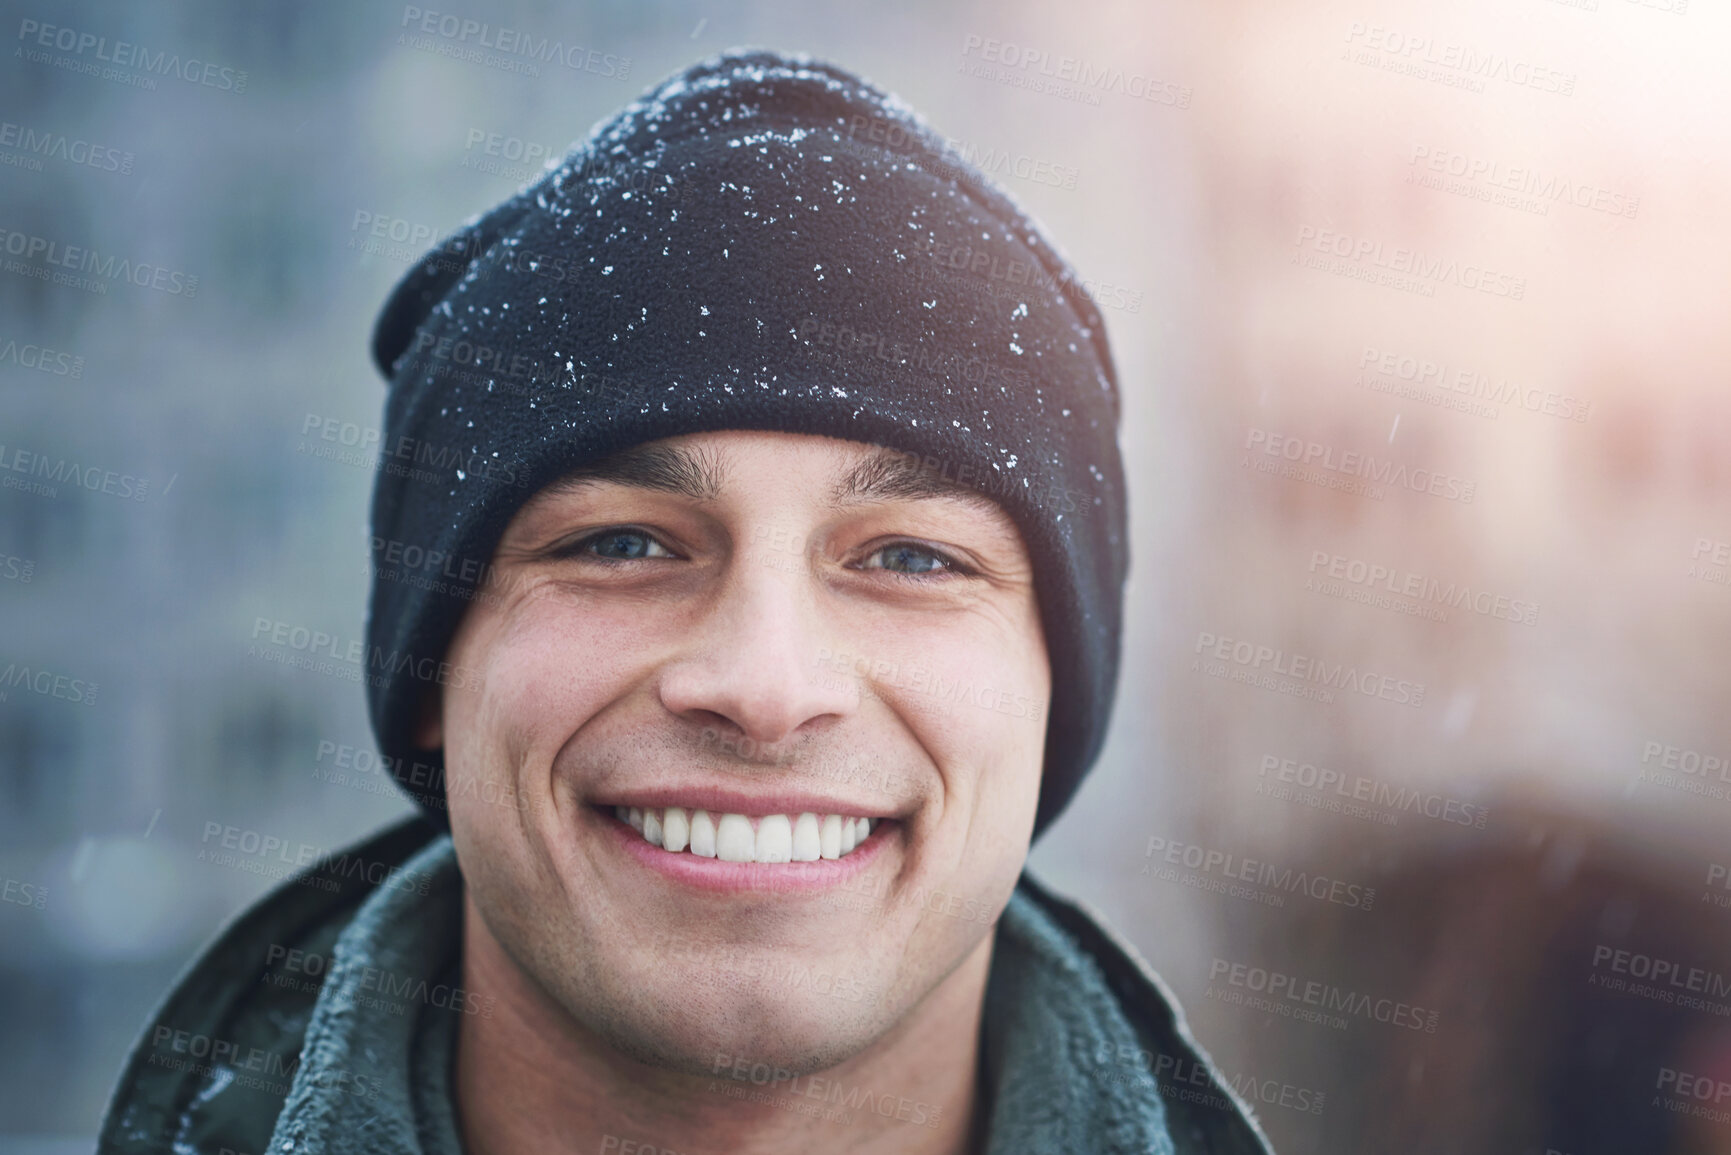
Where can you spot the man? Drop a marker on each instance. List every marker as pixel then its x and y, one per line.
pixel 749 545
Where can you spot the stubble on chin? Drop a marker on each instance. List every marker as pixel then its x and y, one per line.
pixel 671 1018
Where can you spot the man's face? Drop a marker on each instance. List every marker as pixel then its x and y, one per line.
pixel 770 629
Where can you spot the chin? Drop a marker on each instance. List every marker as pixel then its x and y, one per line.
pixel 793 1032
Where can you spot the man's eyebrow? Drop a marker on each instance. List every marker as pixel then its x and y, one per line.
pixel 664 468
pixel 891 475
pixel 887 475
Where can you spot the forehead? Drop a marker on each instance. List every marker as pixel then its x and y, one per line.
pixel 702 469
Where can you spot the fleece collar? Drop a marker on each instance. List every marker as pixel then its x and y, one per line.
pixel 360 1063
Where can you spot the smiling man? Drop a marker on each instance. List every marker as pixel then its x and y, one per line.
pixel 749 550
pixel 667 910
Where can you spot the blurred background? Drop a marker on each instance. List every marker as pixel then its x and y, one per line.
pixel 1421 317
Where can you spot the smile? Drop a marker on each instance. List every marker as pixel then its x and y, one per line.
pixel 770 838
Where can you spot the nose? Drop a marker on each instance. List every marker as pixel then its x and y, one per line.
pixel 751 667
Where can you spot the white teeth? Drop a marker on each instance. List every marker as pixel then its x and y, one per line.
pixel 774 838
pixel 675 829
pixel 734 839
pixel 807 843
pixel 702 834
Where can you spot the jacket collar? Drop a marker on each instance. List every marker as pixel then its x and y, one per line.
pixel 253 1053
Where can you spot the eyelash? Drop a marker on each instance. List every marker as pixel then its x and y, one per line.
pixel 583 544
pixel 948 566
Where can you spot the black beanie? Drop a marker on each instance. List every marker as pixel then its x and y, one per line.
pixel 767 243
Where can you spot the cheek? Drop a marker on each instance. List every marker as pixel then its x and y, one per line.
pixel 976 700
pixel 546 670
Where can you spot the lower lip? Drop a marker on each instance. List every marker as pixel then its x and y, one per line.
pixel 712 874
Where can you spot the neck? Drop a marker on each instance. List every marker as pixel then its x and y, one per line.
pixel 531 1080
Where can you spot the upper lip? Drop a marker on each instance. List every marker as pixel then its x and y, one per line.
pixel 726 800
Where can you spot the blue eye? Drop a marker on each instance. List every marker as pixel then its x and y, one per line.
pixel 911 560
pixel 623 545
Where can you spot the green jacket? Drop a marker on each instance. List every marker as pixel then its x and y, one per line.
pixel 304 1029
